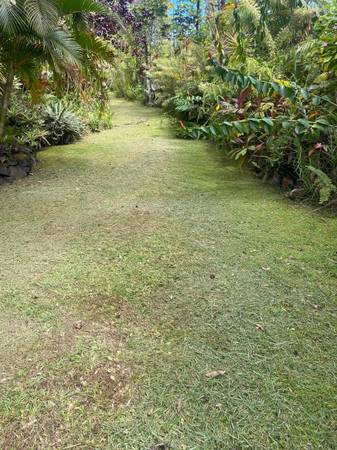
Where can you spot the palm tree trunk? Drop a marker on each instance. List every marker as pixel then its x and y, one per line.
pixel 7 91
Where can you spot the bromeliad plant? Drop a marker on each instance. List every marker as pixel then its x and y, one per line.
pixel 61 124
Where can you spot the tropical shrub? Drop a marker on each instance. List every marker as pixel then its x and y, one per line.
pixel 178 70
pixel 97 117
pixel 284 131
pixel 125 78
pixel 25 124
pixel 61 124
pixel 53 121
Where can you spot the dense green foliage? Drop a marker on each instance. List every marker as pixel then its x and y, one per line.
pixel 47 49
pixel 257 77
pixel 53 121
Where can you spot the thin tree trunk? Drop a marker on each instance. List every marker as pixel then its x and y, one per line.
pixel 148 84
pixel 197 22
pixel 7 91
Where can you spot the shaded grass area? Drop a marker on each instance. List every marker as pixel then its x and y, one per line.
pixel 133 265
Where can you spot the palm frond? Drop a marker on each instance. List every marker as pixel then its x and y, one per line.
pixel 250 13
pixel 41 14
pixel 10 17
pixel 67 7
pixel 96 46
pixel 62 49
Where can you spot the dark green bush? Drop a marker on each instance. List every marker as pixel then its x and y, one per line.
pixel 25 124
pixel 286 133
pixel 37 126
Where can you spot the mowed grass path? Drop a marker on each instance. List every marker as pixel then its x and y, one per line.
pixel 132 265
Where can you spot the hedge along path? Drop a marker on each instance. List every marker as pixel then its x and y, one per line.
pixel 154 295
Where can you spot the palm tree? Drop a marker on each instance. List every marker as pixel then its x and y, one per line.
pixel 257 27
pixel 36 32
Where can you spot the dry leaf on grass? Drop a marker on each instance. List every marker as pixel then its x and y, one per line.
pixel 215 373
pixel 78 325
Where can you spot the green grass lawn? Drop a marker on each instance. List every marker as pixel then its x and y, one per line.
pixel 132 265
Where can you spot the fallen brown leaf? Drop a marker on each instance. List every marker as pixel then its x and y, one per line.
pixel 215 373
pixel 78 325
